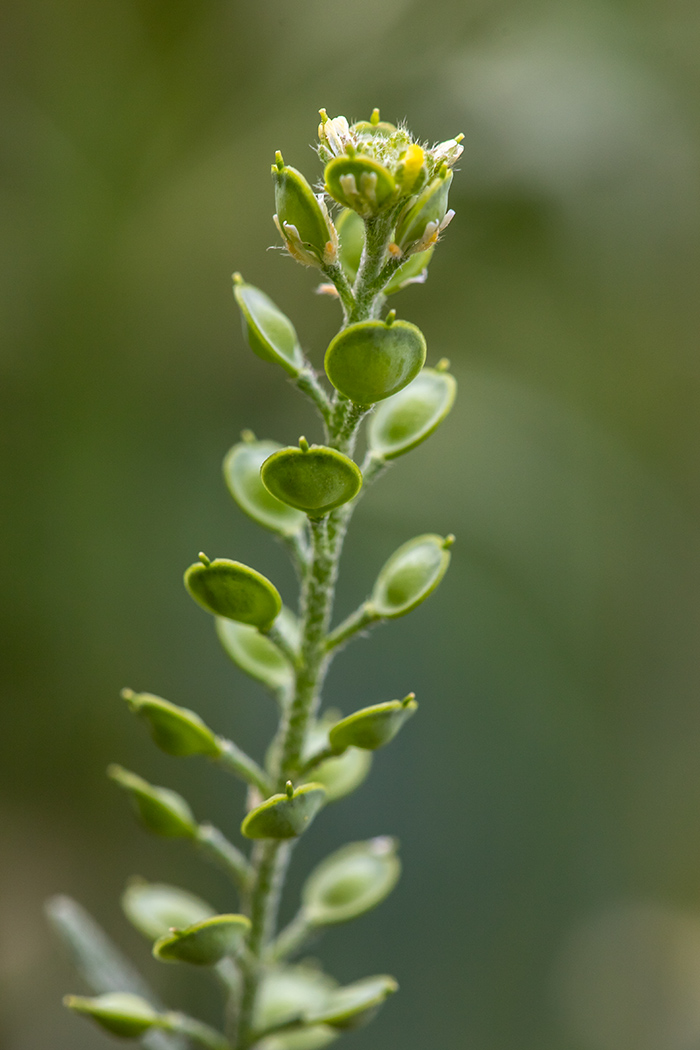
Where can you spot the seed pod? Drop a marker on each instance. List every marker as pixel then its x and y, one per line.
pixel 242 475
pixel 421 222
pixel 342 775
pixel 373 127
pixel 228 588
pixel 160 810
pixel 360 183
pixel 120 1013
pixel 254 653
pixel 176 730
pixel 312 478
pixel 409 417
pixel 285 816
pixel 306 1037
pixel 410 575
pixel 351 236
pixel 371 360
pixel 269 333
pixel 355 1004
pixel 372 727
pixel 302 217
pixel 286 991
pixel 351 881
pixel 154 908
pixel 204 943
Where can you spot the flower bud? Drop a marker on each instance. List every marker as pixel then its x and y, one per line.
pixel 371 360
pixel 153 908
pixel 422 221
pixel 269 333
pixel 372 727
pixel 160 810
pixel 355 1004
pixel 351 881
pixel 302 218
pixel 242 475
pixel 228 588
pixel 409 417
pixel 313 478
pixel 285 816
pixel 176 730
pixel 120 1013
pixel 361 183
pixel 204 943
pixel 413 271
pixel 410 575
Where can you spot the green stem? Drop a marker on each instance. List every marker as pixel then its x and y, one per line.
pixel 233 759
pixel 291 938
pixel 197 1030
pixel 217 848
pixel 352 625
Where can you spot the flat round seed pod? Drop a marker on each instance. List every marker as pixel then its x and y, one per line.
pixel 120 1013
pixel 204 943
pixel 342 775
pixel 160 810
pixel 350 882
pixel 371 360
pixel 351 234
pixel 255 654
pixel 269 333
pixel 310 1037
pixel 297 205
pixel 312 478
pixel 410 272
pixel 154 908
pixel 372 727
pixel 242 475
pixel 411 574
pixel 228 588
pixel 286 992
pixel 430 207
pixel 409 417
pixel 176 730
pixel 360 183
pixel 285 816
pixel 355 1004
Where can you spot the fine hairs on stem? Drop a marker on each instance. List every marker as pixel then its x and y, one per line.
pixel 389 196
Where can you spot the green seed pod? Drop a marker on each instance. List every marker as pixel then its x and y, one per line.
pixel 242 475
pixel 285 816
pixel 409 417
pixel 154 908
pixel 371 360
pixel 228 588
pixel 255 654
pixel 310 1037
pixel 373 126
pixel 413 271
pixel 411 574
pixel 342 775
pixel 421 222
pixel 160 810
pixel 120 1013
pixel 302 217
pixel 360 183
pixel 355 1004
pixel 351 235
pixel 269 333
pixel 176 730
pixel 372 727
pixel 312 478
pixel 350 882
pixel 286 992
pixel 204 943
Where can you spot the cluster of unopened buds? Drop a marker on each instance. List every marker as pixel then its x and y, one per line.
pixel 375 170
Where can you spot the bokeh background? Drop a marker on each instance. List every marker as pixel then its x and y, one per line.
pixel 548 795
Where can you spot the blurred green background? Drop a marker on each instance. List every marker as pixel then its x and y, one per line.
pixel 548 795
